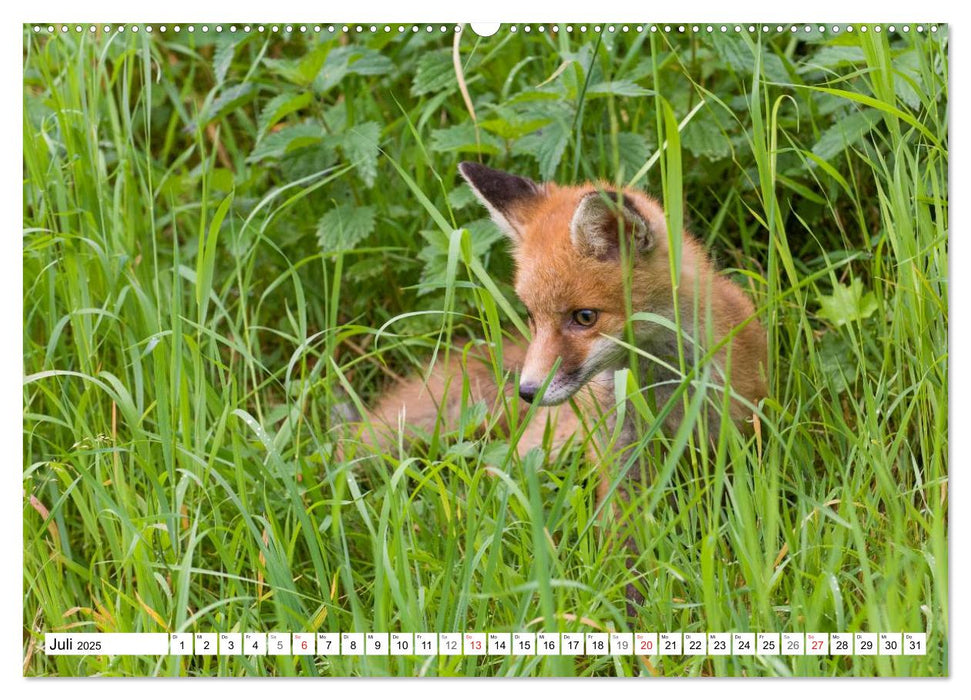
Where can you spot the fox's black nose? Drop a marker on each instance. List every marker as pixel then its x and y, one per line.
pixel 527 392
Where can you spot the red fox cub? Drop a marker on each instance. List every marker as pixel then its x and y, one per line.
pixel 571 245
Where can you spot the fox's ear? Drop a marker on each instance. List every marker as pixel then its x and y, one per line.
pixel 505 196
pixel 599 220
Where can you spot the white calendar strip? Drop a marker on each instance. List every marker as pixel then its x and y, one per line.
pixel 488 644
pixel 107 643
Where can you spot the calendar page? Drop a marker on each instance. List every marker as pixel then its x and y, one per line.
pixel 595 349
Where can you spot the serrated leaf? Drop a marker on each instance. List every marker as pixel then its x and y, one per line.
pixel 300 71
pixel 285 68
pixel 511 124
pixel 846 132
pixel 622 88
pixel 435 73
pixel 462 139
pixel 704 137
pixel 229 99
pixel 286 140
pixel 360 145
pixel 301 162
pixel 833 351
pixel 222 60
pixel 575 76
pixel 847 304
pixel 831 57
pixel 280 106
pixel 512 130
pixel 344 226
pixel 461 197
pixel 482 234
pixel 527 96
pixel 366 61
pixel 907 74
pixel 739 56
pixel 547 146
pixel 635 149
pixel 350 60
pixel 368 267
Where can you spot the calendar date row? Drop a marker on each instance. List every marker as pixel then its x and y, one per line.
pixel 490 644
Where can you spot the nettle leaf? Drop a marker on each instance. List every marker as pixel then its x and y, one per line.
pixel 461 197
pixel 831 57
pixel 846 132
pixel 314 158
pixel 482 234
pixel 511 123
pixel 705 137
pixel 300 71
pixel 847 304
pixel 435 73
pixel 350 60
pixel 622 88
pixel 361 146
pixel 280 106
pixel 222 60
pixel 344 226
pixel 286 140
pixel 229 99
pixel 367 268
pixel 462 138
pixel 635 149
pixel 907 75
pixel 365 61
pixel 530 96
pixel 547 146
pixel 574 77
pixel 512 130
pixel 833 351
pixel 740 57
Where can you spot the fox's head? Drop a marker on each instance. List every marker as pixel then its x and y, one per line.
pixel 571 246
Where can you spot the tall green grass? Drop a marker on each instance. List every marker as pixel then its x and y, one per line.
pixel 229 237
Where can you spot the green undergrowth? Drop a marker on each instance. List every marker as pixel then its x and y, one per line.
pixel 230 238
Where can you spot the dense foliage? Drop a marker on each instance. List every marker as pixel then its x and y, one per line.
pixel 217 224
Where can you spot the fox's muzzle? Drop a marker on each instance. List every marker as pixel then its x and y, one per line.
pixel 527 392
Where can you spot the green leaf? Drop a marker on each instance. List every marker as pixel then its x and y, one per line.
pixel 846 132
pixel 847 304
pixel 435 73
pixel 350 60
pixel 482 234
pixel 833 354
pixel 360 146
pixel 280 106
pixel 222 60
pixel 461 197
pixel 635 149
pixel 229 99
pixel 303 162
pixel 739 56
pixel 547 146
pixel 705 137
pixel 462 139
pixel 344 226
pixel 206 257
pixel 622 88
pixel 286 140
pixel 512 130
pixel 831 57
pixel 302 71
pixel 365 61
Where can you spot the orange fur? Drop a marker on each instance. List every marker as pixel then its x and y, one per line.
pixel 562 245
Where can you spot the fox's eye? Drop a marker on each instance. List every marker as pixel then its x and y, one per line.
pixel 585 317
